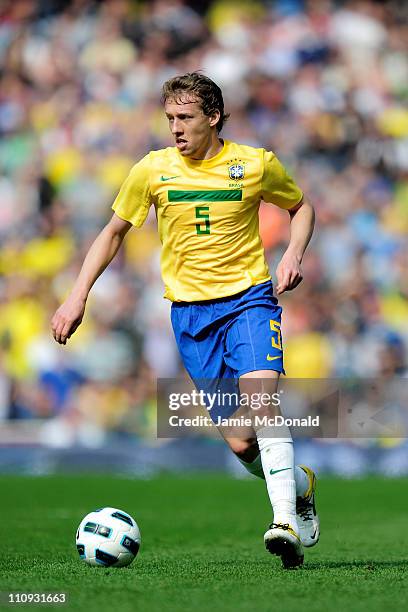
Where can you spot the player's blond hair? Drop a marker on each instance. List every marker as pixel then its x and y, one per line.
pixel 200 87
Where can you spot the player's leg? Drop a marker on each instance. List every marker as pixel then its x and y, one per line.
pixel 248 454
pixel 277 457
pixel 203 355
pixel 272 449
pixel 253 347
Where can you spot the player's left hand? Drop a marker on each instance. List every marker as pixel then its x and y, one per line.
pixel 288 273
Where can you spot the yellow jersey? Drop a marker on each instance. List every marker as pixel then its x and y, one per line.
pixel 207 213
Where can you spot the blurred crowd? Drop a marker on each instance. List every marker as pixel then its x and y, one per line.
pixel 324 84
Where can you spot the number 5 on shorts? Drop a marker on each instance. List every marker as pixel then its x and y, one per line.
pixel 275 327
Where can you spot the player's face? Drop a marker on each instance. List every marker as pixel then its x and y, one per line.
pixel 193 131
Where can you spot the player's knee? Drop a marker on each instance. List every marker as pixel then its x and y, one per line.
pixel 246 450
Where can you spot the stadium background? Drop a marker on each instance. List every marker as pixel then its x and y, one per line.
pixel 321 83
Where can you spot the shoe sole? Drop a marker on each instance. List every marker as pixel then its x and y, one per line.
pixel 284 550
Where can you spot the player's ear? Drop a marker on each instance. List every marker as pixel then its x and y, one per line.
pixel 214 118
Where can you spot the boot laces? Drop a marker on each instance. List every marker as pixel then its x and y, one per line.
pixel 305 510
pixel 284 526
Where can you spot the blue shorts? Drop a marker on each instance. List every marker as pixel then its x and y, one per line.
pixel 231 336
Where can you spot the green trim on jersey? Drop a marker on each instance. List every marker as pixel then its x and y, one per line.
pixel 207 195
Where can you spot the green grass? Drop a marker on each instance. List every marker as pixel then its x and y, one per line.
pixel 202 546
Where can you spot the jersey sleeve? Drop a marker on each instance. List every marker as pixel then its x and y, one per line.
pixel 277 186
pixel 134 198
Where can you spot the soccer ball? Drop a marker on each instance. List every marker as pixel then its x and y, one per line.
pixel 108 537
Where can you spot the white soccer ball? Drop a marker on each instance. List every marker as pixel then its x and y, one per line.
pixel 108 537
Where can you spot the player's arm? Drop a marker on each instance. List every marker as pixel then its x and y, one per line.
pixel 280 189
pixel 289 272
pixel 69 315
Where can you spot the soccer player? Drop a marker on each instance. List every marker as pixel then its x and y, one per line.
pixel 206 192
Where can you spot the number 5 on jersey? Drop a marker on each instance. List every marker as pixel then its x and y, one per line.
pixel 203 213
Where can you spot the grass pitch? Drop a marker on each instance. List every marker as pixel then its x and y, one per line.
pixel 202 546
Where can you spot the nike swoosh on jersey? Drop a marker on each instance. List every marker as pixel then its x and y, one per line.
pixel 269 358
pixel 168 178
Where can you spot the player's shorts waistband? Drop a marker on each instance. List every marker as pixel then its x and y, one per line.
pixel 265 288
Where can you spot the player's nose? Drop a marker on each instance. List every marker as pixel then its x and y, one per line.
pixel 176 127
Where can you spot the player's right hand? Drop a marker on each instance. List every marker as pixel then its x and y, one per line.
pixel 67 319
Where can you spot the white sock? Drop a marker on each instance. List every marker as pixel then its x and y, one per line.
pixel 277 458
pixel 301 478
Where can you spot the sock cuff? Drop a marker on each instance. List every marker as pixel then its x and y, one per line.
pixel 264 443
pixel 273 436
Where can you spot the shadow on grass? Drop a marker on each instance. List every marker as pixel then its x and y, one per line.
pixel 367 565
pixel 245 567
pixel 241 566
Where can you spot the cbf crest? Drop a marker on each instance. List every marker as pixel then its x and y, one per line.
pixel 236 171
